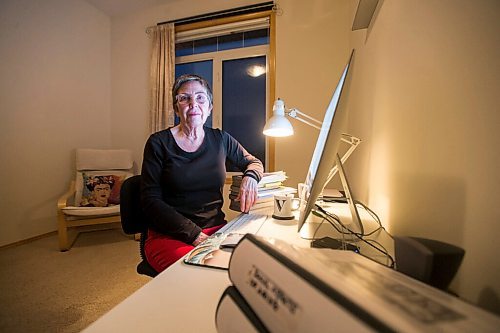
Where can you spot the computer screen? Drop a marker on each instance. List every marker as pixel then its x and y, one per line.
pixel 325 154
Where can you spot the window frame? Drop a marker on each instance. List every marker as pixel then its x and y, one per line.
pixel 217 59
pixel 271 68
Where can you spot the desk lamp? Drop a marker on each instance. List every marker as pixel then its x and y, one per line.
pixel 279 126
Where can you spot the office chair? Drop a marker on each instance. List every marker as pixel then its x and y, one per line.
pixel 133 219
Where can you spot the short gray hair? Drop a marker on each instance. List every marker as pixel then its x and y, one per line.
pixel 188 78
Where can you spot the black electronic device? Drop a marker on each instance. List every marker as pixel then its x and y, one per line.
pixel 430 261
pixel 332 243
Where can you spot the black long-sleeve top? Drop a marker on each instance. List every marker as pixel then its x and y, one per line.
pixel 181 192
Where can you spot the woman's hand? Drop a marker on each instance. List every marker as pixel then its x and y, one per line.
pixel 248 193
pixel 201 237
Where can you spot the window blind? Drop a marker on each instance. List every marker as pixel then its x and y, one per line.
pixel 223 29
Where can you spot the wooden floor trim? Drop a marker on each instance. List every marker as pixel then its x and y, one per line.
pixel 28 240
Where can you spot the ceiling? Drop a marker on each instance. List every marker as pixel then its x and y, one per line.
pixel 124 7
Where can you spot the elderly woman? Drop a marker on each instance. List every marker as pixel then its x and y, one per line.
pixel 183 173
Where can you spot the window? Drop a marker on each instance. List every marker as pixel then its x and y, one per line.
pixel 236 60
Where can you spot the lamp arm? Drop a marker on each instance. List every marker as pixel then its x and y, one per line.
pixel 296 114
pixel 307 122
pixel 354 142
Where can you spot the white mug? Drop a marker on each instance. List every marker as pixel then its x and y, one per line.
pixel 303 191
pixel 283 206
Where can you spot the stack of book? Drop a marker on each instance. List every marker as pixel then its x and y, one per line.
pixel 280 287
pixel 270 185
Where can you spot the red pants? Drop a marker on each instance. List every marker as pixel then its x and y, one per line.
pixel 162 250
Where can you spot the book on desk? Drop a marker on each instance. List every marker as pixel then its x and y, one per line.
pixel 242 318
pixel 271 184
pixel 294 289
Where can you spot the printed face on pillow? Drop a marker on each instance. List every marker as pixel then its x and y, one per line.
pixel 100 190
pixel 101 194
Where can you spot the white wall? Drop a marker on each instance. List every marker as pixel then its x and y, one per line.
pixel 312 48
pixel 425 100
pixel 54 97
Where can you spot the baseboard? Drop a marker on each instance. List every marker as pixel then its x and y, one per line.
pixel 97 227
pixel 28 240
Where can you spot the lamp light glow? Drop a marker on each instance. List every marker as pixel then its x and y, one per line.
pixel 278 125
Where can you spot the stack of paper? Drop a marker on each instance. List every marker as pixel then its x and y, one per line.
pixel 270 185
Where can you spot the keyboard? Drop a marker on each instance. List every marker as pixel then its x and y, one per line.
pixel 244 224
pixel 212 252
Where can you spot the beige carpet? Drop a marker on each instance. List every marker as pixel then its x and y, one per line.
pixel 44 290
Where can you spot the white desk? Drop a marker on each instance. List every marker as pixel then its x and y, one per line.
pixel 183 298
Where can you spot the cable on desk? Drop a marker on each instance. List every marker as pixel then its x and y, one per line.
pixel 383 250
pixel 329 217
pixel 369 210
pixel 317 229
pixel 324 214
pixel 375 217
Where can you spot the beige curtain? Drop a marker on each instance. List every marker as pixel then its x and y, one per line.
pixel 162 77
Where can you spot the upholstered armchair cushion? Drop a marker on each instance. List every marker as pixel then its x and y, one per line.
pixel 91 211
pixel 99 159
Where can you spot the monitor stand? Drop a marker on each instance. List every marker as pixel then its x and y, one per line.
pixel 322 233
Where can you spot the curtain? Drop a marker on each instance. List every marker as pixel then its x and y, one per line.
pixel 162 77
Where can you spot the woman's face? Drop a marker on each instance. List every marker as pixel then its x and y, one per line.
pixel 193 105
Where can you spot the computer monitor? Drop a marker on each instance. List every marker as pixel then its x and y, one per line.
pixel 325 155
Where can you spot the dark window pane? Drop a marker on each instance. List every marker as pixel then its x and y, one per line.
pixel 201 68
pixel 183 49
pixel 232 41
pixel 256 37
pixel 244 104
pixel 205 45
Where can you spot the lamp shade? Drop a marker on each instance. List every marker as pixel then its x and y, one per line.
pixel 278 125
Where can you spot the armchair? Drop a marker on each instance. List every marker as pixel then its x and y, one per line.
pixel 93 197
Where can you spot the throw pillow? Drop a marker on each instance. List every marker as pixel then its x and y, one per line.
pixel 99 188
